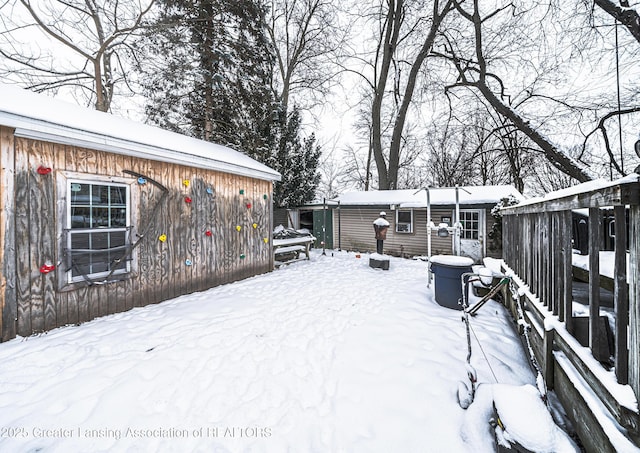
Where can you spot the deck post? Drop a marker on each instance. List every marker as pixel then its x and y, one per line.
pixel 634 299
pixel 567 285
pixel 620 296
pixel 595 239
pixel 548 366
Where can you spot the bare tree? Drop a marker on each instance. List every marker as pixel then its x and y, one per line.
pixel 334 178
pixel 556 45
pixel 405 32
pixel 95 35
pixel 306 38
pixel 355 169
pixel 621 11
pixel 449 160
pixel 473 71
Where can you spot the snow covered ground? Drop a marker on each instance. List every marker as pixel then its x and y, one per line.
pixel 327 355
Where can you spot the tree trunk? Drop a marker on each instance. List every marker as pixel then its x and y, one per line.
pixel 627 17
pixel 388 44
pixel 560 160
pixel 398 128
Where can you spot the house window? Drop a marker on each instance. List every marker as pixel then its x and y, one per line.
pixel 98 233
pixel 404 221
pixel 470 224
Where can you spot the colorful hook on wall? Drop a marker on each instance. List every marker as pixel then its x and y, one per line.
pixel 208 233
pixel 242 256
pixel 238 227
pixel 209 190
pixel 186 182
pixel 142 180
pixel 162 238
pixel 43 170
pixel 248 205
pixel 265 196
pixel 46 268
pixel 187 262
pixel 266 240
pixel 187 199
pixel 255 225
pixel 241 191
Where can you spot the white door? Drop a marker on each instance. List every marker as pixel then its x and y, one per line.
pixel 473 233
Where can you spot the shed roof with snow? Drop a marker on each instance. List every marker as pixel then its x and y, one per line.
pixel 43 118
pixel 439 196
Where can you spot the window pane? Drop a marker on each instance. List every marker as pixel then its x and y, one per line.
pixel 404 216
pixel 80 217
pixel 118 217
pixel 102 209
pixel 96 252
pixel 80 193
pixel 100 217
pixel 118 196
pixel 470 224
pixel 117 238
pixel 100 195
pixel 80 241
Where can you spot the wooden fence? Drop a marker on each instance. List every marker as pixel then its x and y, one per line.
pixel 537 250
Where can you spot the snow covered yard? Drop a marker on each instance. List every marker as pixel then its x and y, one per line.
pixel 326 355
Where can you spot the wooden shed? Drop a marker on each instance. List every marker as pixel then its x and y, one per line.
pixel 101 214
pixel 352 224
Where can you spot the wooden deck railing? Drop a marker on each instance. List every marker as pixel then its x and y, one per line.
pixel 537 250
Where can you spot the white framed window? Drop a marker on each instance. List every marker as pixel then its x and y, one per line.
pixel 404 221
pixel 470 221
pixel 97 237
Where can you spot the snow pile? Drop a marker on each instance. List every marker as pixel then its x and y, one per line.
pixel 526 421
pixel 326 355
pixel 452 260
pixel 606 262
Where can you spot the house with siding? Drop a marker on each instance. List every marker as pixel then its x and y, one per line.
pixel 349 219
pixel 99 214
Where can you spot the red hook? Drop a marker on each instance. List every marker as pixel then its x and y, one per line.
pixel 188 199
pixel 46 268
pixel 43 170
pixel 208 233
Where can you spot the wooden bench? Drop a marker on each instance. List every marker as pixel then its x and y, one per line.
pixel 291 247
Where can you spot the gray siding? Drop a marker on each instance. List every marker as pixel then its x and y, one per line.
pixel 358 235
pixel 357 231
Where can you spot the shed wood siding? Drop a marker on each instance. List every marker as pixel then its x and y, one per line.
pixel 7 236
pixel 162 272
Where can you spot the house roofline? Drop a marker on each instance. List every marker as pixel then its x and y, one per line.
pixel 91 133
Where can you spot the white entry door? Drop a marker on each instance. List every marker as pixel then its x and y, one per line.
pixel 473 233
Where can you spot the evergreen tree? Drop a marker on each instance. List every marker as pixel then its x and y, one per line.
pixel 208 73
pixel 297 162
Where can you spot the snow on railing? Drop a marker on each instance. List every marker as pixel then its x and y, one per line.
pixel 538 246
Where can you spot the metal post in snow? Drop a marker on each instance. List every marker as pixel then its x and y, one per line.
pixel 457 224
pixel 426 189
pixel 324 222
pixel 428 223
pixel 428 234
pixel 339 229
